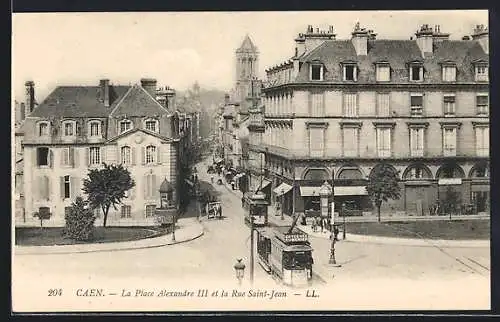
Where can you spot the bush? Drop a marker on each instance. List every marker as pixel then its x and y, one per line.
pixel 79 221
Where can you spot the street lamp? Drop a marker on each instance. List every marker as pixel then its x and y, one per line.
pixel 239 268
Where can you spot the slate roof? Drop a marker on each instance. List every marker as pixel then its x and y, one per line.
pixel 137 102
pixel 398 53
pixel 78 101
pixel 247 46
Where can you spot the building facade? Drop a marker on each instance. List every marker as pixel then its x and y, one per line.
pixel 339 108
pixel 77 128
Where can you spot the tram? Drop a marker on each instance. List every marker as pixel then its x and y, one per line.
pixel 286 254
pixel 255 207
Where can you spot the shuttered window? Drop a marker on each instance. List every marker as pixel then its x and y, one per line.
pixel 150 188
pixel 383 104
pixel 384 142
pixel 417 142
pixel 44 187
pixel 350 141
pixel 450 141
pixel 482 141
pixel 350 105
pixel 317 103
pixel 316 141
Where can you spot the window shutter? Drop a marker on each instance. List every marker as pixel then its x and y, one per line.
pixel 146 189
pixel 158 151
pixel 421 73
pixel 111 154
pixel 75 189
pixel 35 157
pixel 344 72
pixel 46 187
pixel 51 159
pixel 71 152
pixel 61 186
pixel 143 155
pixel 62 155
pixel 355 73
pixel 79 131
pixel 87 156
pixel 155 190
pixel 132 155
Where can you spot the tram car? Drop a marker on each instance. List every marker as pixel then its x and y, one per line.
pixel 255 207
pixel 287 256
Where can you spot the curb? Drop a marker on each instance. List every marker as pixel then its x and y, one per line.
pixel 55 252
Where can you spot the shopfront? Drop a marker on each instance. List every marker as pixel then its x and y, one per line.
pixel 480 187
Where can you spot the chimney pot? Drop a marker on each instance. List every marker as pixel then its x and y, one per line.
pixel 30 97
pixel 104 85
pixel 149 84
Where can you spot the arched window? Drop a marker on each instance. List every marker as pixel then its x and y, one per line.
pixel 417 171
pixel 480 170
pixel 150 154
pixel 450 170
pixel 125 125
pixel 316 174
pixel 125 153
pixel 350 173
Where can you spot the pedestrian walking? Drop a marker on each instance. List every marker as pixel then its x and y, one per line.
pixel 313 224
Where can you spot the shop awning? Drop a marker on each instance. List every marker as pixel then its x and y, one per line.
pixel 309 191
pixel 350 191
pixel 282 189
pixel 189 182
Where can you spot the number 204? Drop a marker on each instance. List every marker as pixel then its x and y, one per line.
pixel 54 292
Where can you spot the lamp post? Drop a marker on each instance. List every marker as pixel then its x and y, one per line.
pixel 251 250
pixel 325 192
pixel 239 268
pixel 282 203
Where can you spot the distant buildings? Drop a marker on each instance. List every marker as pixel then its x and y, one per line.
pixel 77 128
pixel 339 108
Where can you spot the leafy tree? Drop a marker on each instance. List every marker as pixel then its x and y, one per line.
pixel 451 201
pixel 383 185
pixel 106 187
pixel 42 215
pixel 79 221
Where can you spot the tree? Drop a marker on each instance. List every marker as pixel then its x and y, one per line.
pixel 79 221
pixel 107 186
pixel 383 185
pixel 451 201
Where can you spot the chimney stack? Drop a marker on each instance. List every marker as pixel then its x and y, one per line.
pixel 481 35
pixel 360 40
pixel 104 85
pixel 149 84
pixel 30 97
pixel 439 36
pixel 424 39
pixel 312 39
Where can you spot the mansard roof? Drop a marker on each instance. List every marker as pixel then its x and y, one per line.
pixel 78 101
pixel 138 102
pixel 398 53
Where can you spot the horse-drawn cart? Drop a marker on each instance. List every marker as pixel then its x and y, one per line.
pixel 214 210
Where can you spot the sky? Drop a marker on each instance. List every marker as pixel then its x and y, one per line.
pixel 180 48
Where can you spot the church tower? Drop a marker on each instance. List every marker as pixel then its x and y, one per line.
pixel 247 68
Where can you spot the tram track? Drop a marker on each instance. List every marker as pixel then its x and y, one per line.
pixel 476 268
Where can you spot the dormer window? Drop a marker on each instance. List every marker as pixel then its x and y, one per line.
pixel 416 73
pixel 69 128
pixel 449 73
pixel 350 72
pixel 43 129
pixel 481 73
pixel 383 72
pixel 316 72
pixel 151 125
pixel 95 128
pixel 125 125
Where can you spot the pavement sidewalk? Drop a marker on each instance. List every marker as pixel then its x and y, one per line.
pixel 187 229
